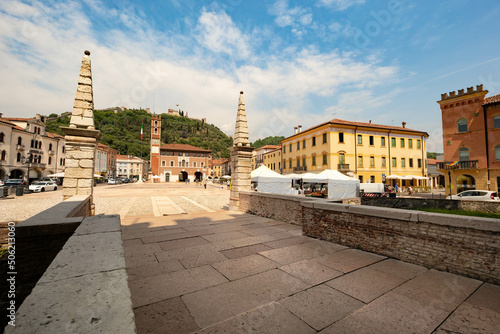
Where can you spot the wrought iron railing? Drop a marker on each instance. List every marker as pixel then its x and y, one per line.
pixel 466 164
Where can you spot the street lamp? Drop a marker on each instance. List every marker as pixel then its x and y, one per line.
pixel 449 181
pixel 27 161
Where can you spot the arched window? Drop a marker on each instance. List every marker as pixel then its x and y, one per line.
pixel 201 164
pixel 462 125
pixel 32 143
pixel 19 141
pixel 4 155
pixel 463 154
pixel 2 137
pixel 50 160
pixel 50 147
pixel 18 157
pixel 194 163
pixel 63 149
pixel 497 152
pixel 171 163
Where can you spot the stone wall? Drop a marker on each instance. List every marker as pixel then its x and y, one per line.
pixel 463 245
pixel 285 208
pixel 412 203
pixel 85 289
pixel 37 242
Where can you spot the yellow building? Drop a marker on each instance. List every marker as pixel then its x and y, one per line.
pixel 367 151
pixel 258 154
pixel 272 160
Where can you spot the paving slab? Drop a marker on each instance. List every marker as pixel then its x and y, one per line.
pixel 311 271
pixel 480 313
pixel 289 241
pixel 157 288
pixel 398 268
pixel 218 303
pixel 324 246
pixel 444 290
pixel 365 284
pixel 167 316
pixel 251 240
pixel 263 230
pixel 153 269
pixel 349 259
pixel 321 306
pixel 182 243
pixel 390 314
pixel 269 319
pixel 290 254
pixel 245 251
pixel 225 236
pixel 244 266
pixel 193 256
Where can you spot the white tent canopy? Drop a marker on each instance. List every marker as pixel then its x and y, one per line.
pixel 61 174
pixel 339 185
pixel 271 182
pixel 416 177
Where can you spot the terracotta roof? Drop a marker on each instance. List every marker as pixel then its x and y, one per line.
pixel 53 135
pixel 492 99
pixel 183 147
pixel 11 124
pixel 18 119
pixel 126 157
pixel 274 147
pixel 432 161
pixel 218 161
pixel 362 124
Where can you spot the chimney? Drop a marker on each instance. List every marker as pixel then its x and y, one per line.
pixel 370 121
pixel 1 115
pixel 300 128
pixel 38 117
pixel 295 131
pixel 404 124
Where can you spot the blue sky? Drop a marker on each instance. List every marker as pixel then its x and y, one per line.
pixel 298 62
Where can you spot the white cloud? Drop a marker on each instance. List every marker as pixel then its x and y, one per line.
pixel 218 33
pixel 296 17
pixel 340 4
pixel 39 70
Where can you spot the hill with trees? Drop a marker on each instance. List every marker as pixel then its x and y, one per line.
pixel 121 130
pixel 268 141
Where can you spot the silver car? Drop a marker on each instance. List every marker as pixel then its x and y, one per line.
pixel 477 195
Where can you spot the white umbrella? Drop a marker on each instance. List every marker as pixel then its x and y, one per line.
pixel 225 177
pixel 416 177
pixel 156 177
pixel 97 175
pixel 394 177
pixel 61 174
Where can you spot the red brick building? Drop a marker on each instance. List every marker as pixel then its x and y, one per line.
pixel 176 162
pixel 471 139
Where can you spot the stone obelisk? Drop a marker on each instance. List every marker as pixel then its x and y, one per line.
pixel 241 157
pixel 81 138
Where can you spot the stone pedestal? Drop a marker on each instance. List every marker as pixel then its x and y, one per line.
pixel 241 161
pixel 80 150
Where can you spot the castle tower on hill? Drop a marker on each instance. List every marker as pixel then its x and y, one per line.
pixel 155 144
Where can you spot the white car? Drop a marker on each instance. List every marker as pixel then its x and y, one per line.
pixel 477 195
pixel 41 186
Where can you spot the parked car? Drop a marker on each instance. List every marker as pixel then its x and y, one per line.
pixel 56 181
pixel 114 181
pixel 477 195
pixel 41 186
pixel 14 182
pixel 1 183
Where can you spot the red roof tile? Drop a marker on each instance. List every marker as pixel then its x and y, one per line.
pixel 492 99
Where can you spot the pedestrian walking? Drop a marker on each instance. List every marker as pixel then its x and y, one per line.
pixel 410 191
pixel 205 184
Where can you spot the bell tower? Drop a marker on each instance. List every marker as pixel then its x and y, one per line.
pixel 155 144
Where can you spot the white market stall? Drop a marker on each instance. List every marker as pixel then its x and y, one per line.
pixel 271 182
pixel 339 185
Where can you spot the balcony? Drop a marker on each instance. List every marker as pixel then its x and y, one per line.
pixel 300 169
pixel 37 165
pixel 51 152
pixel 466 164
pixel 343 168
pixel 20 147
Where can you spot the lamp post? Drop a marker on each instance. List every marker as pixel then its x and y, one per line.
pixel 449 181
pixel 27 161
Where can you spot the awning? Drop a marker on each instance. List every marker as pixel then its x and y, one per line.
pixel 394 177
